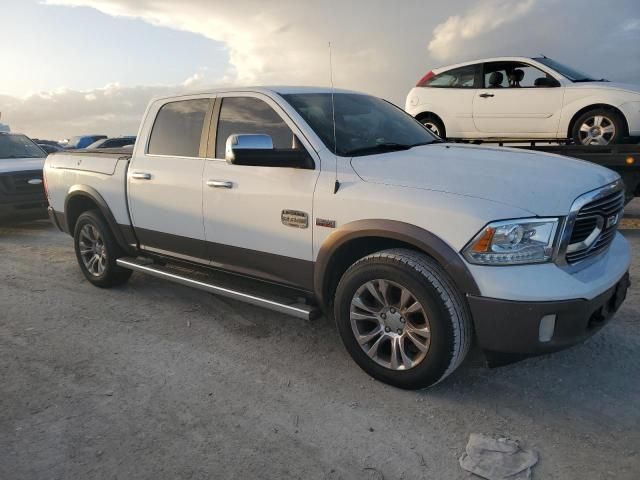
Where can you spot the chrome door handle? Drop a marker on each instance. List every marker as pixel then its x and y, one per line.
pixel 141 176
pixel 219 184
pixel 486 95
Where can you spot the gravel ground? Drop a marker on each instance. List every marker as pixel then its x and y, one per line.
pixel 156 381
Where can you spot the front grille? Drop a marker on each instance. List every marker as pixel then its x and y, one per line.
pixel 596 215
pixel 16 185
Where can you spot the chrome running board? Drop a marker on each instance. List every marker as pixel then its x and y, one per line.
pixel 293 308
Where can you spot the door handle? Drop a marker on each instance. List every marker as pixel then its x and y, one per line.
pixel 141 176
pixel 219 184
pixel 486 95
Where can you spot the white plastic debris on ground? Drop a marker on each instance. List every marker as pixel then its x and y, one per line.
pixel 497 458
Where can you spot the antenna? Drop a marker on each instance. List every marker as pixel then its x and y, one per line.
pixel 336 184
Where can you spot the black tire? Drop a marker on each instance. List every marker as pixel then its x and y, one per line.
pixel 445 308
pixel 608 118
pixel 434 124
pixel 112 274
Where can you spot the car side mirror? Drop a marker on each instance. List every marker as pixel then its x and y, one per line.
pixel 257 150
pixel 546 82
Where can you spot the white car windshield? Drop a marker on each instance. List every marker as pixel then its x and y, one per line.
pixel 568 72
pixel 19 146
pixel 364 125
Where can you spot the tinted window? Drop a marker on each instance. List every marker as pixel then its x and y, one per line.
pixel 178 128
pixel 364 124
pixel 463 77
pixel 240 115
pixel 19 146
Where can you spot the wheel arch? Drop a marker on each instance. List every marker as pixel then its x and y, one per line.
pixel 595 106
pixel 82 198
pixel 358 239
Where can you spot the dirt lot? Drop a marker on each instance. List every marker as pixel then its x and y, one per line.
pixel 155 380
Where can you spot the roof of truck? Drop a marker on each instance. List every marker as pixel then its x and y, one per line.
pixel 279 89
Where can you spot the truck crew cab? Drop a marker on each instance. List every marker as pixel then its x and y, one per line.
pixel 416 247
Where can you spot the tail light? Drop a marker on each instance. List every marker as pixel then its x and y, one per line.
pixel 423 81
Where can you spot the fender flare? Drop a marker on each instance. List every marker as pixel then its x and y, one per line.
pixel 417 237
pixel 91 193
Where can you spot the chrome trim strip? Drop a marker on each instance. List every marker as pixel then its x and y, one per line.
pixel 304 312
pixel 577 205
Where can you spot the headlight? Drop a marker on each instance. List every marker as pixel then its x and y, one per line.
pixel 529 240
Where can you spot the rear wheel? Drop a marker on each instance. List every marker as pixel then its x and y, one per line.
pixel 402 319
pixel 97 251
pixel 600 126
pixel 434 124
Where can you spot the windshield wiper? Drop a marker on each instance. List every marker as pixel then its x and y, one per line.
pixel 382 148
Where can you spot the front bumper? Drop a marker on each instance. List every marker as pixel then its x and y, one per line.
pixel 515 327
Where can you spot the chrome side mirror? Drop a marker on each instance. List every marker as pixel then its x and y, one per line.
pixel 246 143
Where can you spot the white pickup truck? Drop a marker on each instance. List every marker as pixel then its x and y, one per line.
pixel 306 200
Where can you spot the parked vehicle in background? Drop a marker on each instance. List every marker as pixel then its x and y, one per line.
pixel 335 201
pixel 21 190
pixel 49 147
pixel 524 98
pixel 82 141
pixel 115 142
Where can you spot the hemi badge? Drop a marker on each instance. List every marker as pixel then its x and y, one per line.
pixel 34 181
pixel 323 222
pixel 294 218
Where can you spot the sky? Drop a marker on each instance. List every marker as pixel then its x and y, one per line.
pixel 73 67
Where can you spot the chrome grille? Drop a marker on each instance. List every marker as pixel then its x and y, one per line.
pixel 595 226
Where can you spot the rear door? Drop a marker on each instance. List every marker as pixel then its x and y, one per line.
pixel 257 219
pixel 506 108
pixel 165 178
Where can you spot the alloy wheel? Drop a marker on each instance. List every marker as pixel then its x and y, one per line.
pixel 390 324
pixel 597 130
pixel 92 250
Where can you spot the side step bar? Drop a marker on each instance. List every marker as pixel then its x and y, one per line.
pixel 293 308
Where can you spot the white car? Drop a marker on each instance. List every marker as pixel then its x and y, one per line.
pixel 524 98
pixel 413 245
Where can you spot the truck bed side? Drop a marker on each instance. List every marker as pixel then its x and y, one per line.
pixel 89 174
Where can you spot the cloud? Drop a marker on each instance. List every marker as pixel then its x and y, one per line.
pixel 112 110
pixel 380 47
pixel 450 36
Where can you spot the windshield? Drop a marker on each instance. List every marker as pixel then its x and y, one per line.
pixel 364 125
pixel 571 73
pixel 19 146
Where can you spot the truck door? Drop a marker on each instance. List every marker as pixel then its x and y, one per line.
pixel 514 108
pixel 257 219
pixel 165 178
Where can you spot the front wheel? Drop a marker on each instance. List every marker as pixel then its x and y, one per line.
pixel 600 126
pixel 402 319
pixel 97 251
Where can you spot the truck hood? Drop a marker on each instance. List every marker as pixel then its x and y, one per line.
pixel 10 165
pixel 541 183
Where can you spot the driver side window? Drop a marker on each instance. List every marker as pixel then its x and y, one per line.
pixel 516 75
pixel 247 115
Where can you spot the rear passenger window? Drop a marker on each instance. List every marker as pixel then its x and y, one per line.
pixel 246 115
pixel 178 128
pixel 463 77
